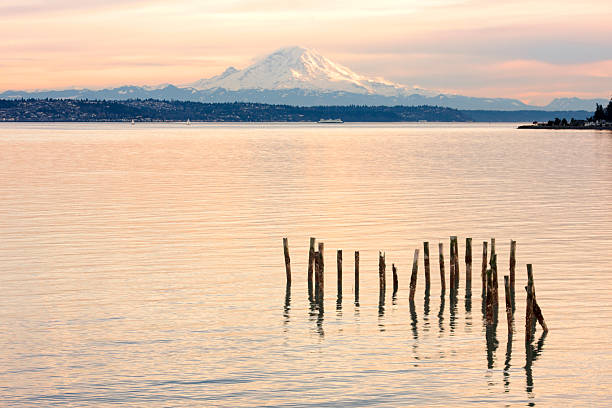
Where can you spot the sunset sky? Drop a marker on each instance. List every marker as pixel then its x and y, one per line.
pixel 533 51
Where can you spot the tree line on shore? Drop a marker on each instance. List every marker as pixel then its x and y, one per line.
pixel 154 110
pixel 601 115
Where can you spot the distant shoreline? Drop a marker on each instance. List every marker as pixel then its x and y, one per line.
pixel 153 110
pixel 606 127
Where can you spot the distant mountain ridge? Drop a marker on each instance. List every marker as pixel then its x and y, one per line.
pixel 302 77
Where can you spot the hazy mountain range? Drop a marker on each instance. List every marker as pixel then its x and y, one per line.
pixel 299 76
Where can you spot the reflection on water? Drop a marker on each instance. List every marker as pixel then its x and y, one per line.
pixel 492 343
pixel 426 311
pixel 441 313
pixel 320 321
pixel 453 310
pixel 287 305
pixel 507 363
pixel 414 321
pixel 381 310
pixel 141 265
pixel 532 352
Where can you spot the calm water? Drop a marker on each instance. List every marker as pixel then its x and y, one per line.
pixel 143 265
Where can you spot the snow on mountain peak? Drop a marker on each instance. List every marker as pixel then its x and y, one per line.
pixel 302 68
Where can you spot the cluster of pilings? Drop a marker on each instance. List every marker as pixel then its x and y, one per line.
pixel 489 277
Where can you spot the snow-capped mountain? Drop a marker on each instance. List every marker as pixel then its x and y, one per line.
pixel 302 68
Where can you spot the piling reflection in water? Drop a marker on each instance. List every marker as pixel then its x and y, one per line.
pixel 531 354
pixel 441 313
pixel 426 311
pixel 414 320
pixel 381 309
pixel 453 310
pixel 507 363
pixel 321 310
pixel 492 343
pixel 287 306
pixel 468 314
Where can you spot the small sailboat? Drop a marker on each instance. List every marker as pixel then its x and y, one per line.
pixel 188 122
pixel 133 123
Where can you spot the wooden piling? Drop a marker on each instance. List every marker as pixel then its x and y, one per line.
pixel 484 268
pixel 339 264
pixel 468 267
pixel 317 275
pixel 508 303
pixel 536 308
pixel 311 260
pixel 413 277
pixel 287 260
pixel 395 282
pixel 356 275
pixel 382 284
pixel 452 265
pixel 441 258
pixel 538 314
pixel 427 267
pixel 529 313
pixel 495 285
pixel 512 266
pixel 489 298
pixel 321 273
pixel 456 263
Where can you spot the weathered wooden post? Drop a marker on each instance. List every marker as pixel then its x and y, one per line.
pixel 536 308
pixel 382 284
pixel 339 264
pixel 311 260
pixel 495 285
pixel 321 272
pixel 452 265
pixel 508 303
pixel 317 275
pixel 456 263
pixel 512 270
pixel 468 267
pixel 287 260
pixel 441 258
pixel 484 268
pixel 413 277
pixel 356 275
pixel 529 313
pixel 395 282
pixel 489 299
pixel 427 267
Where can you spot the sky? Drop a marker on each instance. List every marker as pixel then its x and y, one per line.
pixel 530 50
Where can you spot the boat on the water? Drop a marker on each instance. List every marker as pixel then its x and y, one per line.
pixel 188 122
pixel 330 121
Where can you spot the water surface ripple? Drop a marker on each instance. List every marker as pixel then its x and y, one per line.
pixel 143 265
